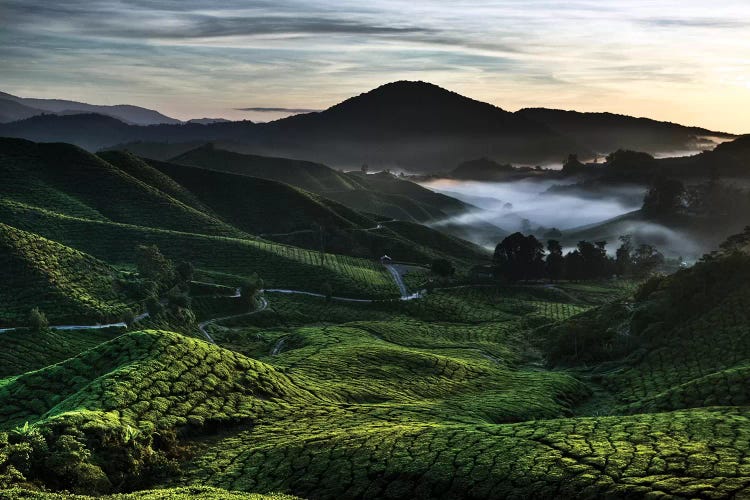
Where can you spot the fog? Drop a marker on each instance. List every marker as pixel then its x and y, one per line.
pixel 530 207
pixel 515 206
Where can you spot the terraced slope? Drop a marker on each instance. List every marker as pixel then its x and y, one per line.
pixel 307 175
pixel 68 180
pixel 382 193
pixel 27 351
pixel 260 205
pixel 64 283
pixel 225 259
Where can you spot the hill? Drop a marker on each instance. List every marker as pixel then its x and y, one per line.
pixel 11 110
pixel 135 115
pixel 379 193
pixel 411 125
pixel 608 132
pixel 69 180
pixel 307 175
pixel 67 285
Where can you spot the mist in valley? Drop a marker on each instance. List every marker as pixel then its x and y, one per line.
pixel 539 206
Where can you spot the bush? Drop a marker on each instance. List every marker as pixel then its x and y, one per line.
pixel 38 320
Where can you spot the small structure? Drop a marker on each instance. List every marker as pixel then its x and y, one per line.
pixel 385 259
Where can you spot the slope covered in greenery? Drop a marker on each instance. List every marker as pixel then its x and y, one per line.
pixel 65 283
pixel 68 180
pixel 228 260
pixel 381 193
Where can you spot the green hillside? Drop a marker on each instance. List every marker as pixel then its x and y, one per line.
pixel 64 283
pixel 382 193
pixel 307 175
pixel 228 260
pixel 68 180
pixel 262 206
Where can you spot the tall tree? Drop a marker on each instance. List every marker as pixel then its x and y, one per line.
pixel 623 258
pixel 519 257
pixel 555 263
pixel 665 197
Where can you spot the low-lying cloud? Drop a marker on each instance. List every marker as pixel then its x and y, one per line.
pixel 509 205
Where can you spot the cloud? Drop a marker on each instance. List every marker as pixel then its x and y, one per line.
pixel 279 110
pixel 697 23
pixel 198 58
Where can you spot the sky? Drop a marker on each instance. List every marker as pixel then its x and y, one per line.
pixel 686 61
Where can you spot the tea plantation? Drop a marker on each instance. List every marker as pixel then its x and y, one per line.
pixel 235 388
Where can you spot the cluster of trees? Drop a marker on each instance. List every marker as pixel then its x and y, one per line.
pixel 522 258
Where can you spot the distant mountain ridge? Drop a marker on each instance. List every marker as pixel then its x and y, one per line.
pixel 607 132
pixel 134 115
pixel 416 126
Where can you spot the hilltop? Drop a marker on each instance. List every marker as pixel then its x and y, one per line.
pixel 412 125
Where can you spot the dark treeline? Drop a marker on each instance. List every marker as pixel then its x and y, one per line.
pixel 522 258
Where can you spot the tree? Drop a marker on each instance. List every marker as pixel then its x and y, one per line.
pixel 365 168
pixel 37 320
pixel 249 290
pixel 646 259
pixel 519 257
pixel 664 197
pixel 442 267
pixel 574 265
pixel 185 271
pixel 572 165
pixel 152 265
pixel 555 263
pixel 623 258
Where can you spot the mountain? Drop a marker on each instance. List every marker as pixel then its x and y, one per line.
pixel 413 125
pixel 608 132
pixel 11 110
pixel 134 115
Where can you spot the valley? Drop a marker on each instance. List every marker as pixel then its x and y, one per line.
pixel 185 317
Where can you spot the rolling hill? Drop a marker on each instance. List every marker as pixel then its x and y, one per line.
pixel 66 284
pixel 134 115
pixel 380 193
pixel 608 132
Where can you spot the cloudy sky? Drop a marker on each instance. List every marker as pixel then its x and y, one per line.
pixel 686 61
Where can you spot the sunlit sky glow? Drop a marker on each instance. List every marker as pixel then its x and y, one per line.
pixel 686 61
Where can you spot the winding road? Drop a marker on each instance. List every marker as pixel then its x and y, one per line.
pixel 263 306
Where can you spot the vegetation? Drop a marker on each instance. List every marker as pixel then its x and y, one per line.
pixel 576 374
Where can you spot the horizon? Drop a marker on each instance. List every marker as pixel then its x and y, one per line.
pixel 273 59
